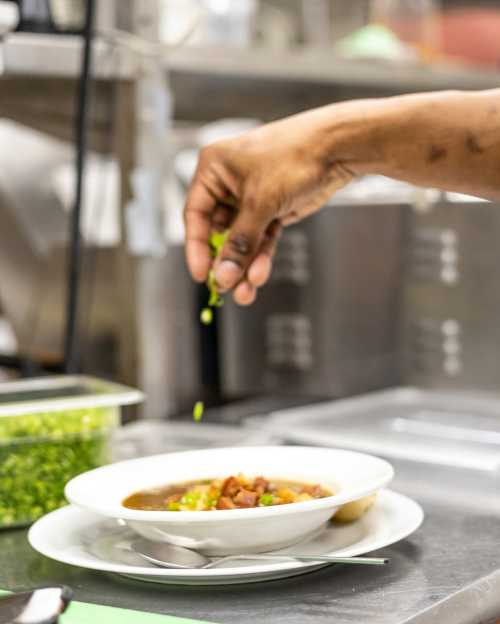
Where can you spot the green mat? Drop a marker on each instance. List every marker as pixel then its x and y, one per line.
pixel 86 613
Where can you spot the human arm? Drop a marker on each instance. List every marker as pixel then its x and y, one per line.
pixel 284 171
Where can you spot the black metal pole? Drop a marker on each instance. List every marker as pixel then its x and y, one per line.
pixel 75 242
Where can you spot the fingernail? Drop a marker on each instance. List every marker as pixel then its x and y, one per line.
pixel 227 273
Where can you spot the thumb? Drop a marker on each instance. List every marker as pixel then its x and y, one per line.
pixel 240 248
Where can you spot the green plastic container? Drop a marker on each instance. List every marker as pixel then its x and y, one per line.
pixel 52 429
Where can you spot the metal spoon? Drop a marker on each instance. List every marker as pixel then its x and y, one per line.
pixel 170 556
pixel 39 606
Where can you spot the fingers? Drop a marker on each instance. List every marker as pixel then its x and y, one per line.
pixel 244 294
pixel 240 249
pixel 198 221
pixel 260 269
pixel 222 217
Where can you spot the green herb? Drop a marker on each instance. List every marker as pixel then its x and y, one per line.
pixel 173 506
pixel 206 316
pixel 216 242
pixel 198 410
pixel 191 499
pixel 266 500
pixel 40 453
pixel 212 500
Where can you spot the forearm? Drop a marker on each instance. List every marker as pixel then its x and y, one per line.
pixel 448 140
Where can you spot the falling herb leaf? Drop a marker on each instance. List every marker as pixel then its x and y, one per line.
pixel 216 242
pixel 206 316
pixel 198 411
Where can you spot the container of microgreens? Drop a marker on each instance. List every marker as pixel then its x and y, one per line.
pixel 52 429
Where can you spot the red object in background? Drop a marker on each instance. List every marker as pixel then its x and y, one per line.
pixel 472 35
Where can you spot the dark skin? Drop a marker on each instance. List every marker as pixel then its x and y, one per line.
pixel 274 176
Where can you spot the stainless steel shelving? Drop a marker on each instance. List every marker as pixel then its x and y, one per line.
pixel 322 66
pixel 26 54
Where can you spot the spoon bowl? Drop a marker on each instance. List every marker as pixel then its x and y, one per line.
pixel 39 606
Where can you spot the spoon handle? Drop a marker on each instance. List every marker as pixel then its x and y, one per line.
pixel 318 558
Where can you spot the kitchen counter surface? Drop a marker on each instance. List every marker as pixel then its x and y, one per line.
pixel 456 550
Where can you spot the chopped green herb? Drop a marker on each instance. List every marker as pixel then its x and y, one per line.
pixel 216 242
pixel 41 452
pixel 198 410
pixel 214 299
pixel 266 500
pixel 193 499
pixel 173 506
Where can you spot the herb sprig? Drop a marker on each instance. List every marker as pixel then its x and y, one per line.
pixel 216 242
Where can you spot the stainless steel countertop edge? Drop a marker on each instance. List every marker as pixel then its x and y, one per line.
pixel 478 602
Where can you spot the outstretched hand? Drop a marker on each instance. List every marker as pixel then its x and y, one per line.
pixel 254 185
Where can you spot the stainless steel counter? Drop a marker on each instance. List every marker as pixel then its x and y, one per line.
pixel 457 546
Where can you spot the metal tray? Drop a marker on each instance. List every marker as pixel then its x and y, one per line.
pixel 151 437
pixel 459 429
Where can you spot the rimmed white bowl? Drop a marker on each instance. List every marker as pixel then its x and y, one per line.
pixel 353 475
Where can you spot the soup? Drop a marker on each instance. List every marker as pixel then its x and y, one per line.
pixel 232 493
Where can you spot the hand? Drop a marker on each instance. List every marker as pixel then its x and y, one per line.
pixel 282 172
pixel 255 184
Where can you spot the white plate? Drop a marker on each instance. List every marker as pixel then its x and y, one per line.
pixel 226 532
pixel 71 535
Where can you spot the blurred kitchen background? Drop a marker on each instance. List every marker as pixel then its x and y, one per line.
pixel 391 286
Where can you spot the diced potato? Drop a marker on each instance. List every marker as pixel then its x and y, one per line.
pixel 355 509
pixel 303 497
pixel 287 495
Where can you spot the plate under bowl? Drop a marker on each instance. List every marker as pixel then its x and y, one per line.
pixel 76 537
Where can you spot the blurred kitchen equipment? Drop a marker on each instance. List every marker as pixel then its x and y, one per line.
pixel 68 15
pixel 51 16
pixel 327 324
pixel 470 34
pixel 9 17
pixel 63 16
pixel 379 289
pixel 317 19
pixel 454 429
pixel 170 556
pixel 222 22
pixel 39 606
pixel 230 23
pixel 153 436
pixel 414 21
pixel 348 17
pixel 451 294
